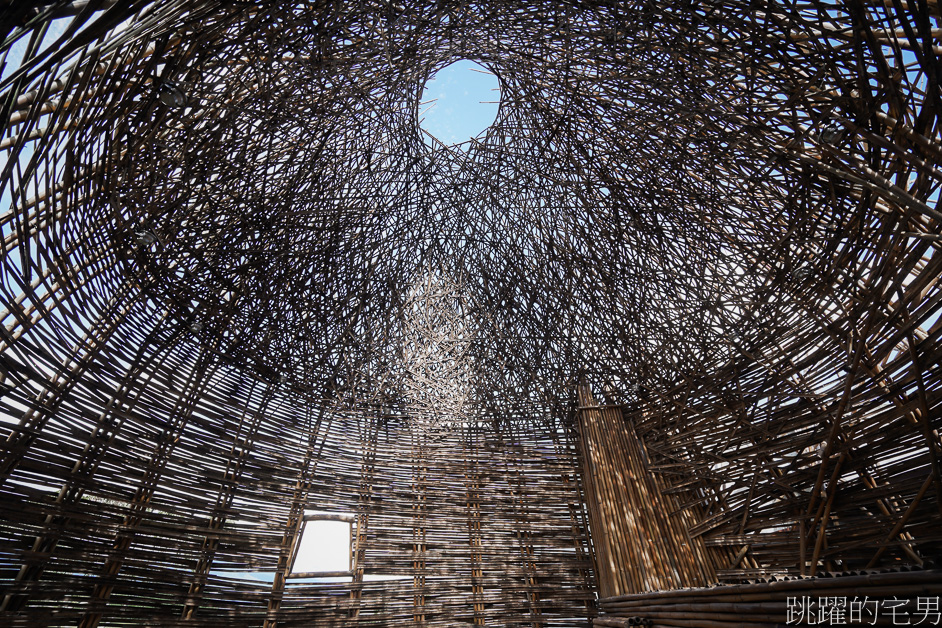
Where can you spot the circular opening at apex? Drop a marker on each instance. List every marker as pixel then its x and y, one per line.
pixel 459 102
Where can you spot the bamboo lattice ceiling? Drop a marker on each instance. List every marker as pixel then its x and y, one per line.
pixel 664 187
pixel 722 215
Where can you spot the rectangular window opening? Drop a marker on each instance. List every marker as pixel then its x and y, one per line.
pixel 325 548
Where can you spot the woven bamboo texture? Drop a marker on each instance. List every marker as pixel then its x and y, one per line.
pixel 240 282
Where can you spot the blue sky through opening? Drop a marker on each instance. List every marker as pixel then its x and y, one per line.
pixel 466 96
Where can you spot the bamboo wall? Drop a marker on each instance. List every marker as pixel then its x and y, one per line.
pixel 186 512
pixel 236 274
pixel 796 482
pixel 640 536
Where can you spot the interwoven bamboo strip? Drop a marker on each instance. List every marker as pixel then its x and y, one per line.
pixel 527 558
pixel 240 282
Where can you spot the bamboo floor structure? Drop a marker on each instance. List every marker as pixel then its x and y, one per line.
pixel 670 325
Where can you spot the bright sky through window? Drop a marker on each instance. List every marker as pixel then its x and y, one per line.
pixel 325 546
pixel 459 102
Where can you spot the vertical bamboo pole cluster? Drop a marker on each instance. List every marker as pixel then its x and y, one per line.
pixel 640 542
pixel 368 432
pixel 291 535
pixel 524 526
pixel 473 487
pixel 419 525
pixel 242 443
pixel 196 383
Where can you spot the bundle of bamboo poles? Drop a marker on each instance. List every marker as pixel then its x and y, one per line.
pixel 881 598
pixel 641 539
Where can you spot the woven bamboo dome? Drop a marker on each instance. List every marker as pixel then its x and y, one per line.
pixel 671 321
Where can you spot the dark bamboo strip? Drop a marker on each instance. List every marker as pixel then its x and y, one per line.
pixel 724 216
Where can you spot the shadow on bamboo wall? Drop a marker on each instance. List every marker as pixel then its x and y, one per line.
pixel 639 533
